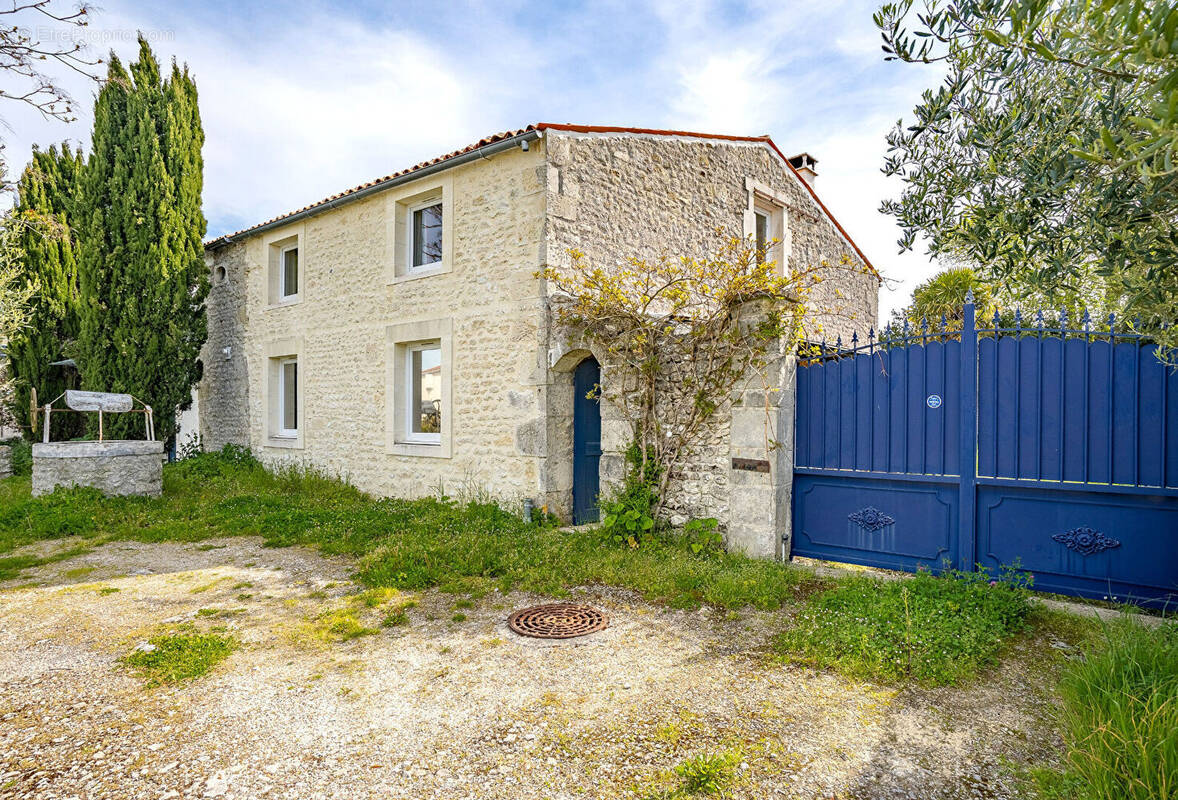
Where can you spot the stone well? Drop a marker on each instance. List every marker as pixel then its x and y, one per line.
pixel 119 467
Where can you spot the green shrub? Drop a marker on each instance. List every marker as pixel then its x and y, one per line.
pixel 177 657
pixel 627 517
pixel 22 455
pixel 927 629
pixel 702 535
pixel 1119 717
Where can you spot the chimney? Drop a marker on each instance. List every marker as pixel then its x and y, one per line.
pixel 806 165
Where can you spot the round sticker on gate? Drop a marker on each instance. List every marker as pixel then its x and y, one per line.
pixel 933 401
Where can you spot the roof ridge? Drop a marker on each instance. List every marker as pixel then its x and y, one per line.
pixel 538 128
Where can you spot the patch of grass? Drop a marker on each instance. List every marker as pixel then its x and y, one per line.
pixel 12 566
pixel 342 625
pixel 702 775
pixel 179 657
pixel 464 604
pixel 468 547
pixel 458 618
pixel 204 587
pixel 77 573
pixel 1119 717
pixel 926 629
pixel 105 590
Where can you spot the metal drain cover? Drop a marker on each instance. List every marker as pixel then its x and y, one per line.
pixel 557 621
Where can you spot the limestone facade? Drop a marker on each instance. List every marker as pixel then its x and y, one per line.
pixel 505 414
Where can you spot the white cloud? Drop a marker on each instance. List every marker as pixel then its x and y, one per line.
pixel 325 100
pixel 726 93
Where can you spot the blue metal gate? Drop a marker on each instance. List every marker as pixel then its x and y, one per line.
pixel 1042 445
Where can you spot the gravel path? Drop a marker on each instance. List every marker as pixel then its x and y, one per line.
pixel 454 709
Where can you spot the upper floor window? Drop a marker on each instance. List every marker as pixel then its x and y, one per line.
pixel 289 265
pixel 419 230
pixel 285 264
pixel 425 238
pixel 762 230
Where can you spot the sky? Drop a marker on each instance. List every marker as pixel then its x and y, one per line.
pixel 300 100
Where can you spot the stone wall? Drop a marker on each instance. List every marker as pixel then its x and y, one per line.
pixel 351 295
pixel 223 393
pixel 610 196
pixel 114 467
pixel 615 196
pixel 5 461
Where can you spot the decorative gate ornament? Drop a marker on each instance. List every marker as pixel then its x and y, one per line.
pixel 1086 541
pixel 871 518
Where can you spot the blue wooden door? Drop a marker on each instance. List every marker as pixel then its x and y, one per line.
pixel 586 441
pixel 1050 447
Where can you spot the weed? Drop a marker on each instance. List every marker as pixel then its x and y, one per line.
pixel 207 612
pixel 708 773
pixel 467 604
pixel 244 596
pixel 931 630
pixel 342 625
pixel 705 774
pixel 458 618
pixel 180 656
pixel 105 590
pixel 1119 716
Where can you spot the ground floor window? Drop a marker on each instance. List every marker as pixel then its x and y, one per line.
pixel 419 388
pixel 424 385
pixel 288 397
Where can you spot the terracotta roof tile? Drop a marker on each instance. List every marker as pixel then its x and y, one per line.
pixel 498 137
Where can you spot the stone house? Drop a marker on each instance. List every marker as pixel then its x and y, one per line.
pixel 396 333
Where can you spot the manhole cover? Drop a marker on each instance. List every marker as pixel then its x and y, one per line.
pixel 557 621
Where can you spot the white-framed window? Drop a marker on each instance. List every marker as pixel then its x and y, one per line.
pixel 419 393
pixel 762 225
pixel 288 398
pixel 288 277
pixel 286 264
pixel 419 230
pixel 423 385
pixel 426 230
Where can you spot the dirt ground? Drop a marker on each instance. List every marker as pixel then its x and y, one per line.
pixel 441 708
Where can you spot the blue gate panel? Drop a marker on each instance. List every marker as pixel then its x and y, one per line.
pixel 871 412
pixel 882 523
pixel 1079 411
pixel 1056 448
pixel 1092 544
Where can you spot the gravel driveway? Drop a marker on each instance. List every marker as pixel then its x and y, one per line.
pixel 452 709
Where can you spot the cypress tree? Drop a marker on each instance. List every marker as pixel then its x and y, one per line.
pixel 46 200
pixel 142 276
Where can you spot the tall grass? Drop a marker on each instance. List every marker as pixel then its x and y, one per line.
pixel 1119 715
pixel 407 544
